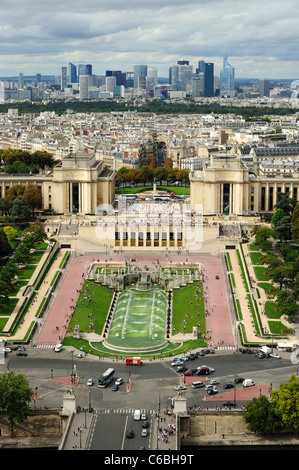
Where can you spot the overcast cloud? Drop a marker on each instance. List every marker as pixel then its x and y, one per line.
pixel 260 38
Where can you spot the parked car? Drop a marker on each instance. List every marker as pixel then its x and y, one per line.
pixel 212 391
pixel 193 370
pixel 180 387
pixel 191 357
pixel 214 381
pixel 21 353
pixel 238 380
pixel 276 356
pixel 187 373
pixel 177 363
pixel 78 355
pixel 228 403
pixel 228 385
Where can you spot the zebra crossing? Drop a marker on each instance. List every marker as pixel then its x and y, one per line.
pixel 125 411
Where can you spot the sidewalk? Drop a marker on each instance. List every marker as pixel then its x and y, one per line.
pixel 78 432
pixel 33 308
pixel 164 432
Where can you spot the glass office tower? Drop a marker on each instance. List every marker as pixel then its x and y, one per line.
pixel 227 79
pixel 140 73
pixel 208 79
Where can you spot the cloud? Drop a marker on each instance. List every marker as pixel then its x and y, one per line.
pixel 259 37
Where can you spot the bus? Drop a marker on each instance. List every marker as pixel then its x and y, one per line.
pixel 106 378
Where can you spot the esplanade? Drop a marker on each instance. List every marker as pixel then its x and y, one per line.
pixel 225 185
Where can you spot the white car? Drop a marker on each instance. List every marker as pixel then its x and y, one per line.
pixel 276 356
pixel 119 381
pixel 78 355
pixel 180 387
pixel 214 382
pixel 89 382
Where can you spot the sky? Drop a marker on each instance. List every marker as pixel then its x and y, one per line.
pixel 260 37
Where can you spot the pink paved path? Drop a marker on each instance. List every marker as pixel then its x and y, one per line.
pixel 218 321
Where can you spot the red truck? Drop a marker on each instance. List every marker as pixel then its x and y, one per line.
pixel 134 361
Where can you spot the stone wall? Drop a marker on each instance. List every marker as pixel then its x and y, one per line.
pixel 223 428
pixel 43 428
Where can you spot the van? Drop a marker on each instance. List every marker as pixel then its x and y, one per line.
pixel 248 383
pixel 137 415
pixel 197 384
pixel 203 371
pixel 58 348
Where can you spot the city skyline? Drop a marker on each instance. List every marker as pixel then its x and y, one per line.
pixel 259 38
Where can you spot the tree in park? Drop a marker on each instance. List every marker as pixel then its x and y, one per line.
pixel 286 402
pixel 281 275
pixel 286 203
pixel 33 196
pixel 4 293
pixel 10 232
pixel 36 233
pixel 15 397
pixel 262 236
pixel 261 416
pixel 5 248
pixel 20 210
pixel 14 191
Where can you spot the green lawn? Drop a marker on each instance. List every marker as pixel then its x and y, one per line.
pixel 256 258
pixel 187 310
pixel 91 315
pixel 267 286
pixel 270 310
pixel 260 273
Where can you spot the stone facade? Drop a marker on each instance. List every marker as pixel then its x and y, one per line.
pixel 225 185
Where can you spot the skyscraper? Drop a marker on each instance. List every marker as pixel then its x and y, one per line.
pixel 84 69
pixel 208 88
pixel 63 78
pixel 264 87
pixel 140 73
pixel 83 87
pixel 227 79
pixel 180 75
pixel 72 73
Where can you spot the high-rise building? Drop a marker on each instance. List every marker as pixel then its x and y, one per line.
pixel 180 75
pixel 110 84
pixel 197 84
pixel 21 80
pixel 84 69
pixel 227 79
pixel 72 73
pixel 208 88
pixel 83 87
pixel 201 67
pixel 152 77
pixel 140 73
pixel 120 76
pixel 63 78
pixel 264 87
